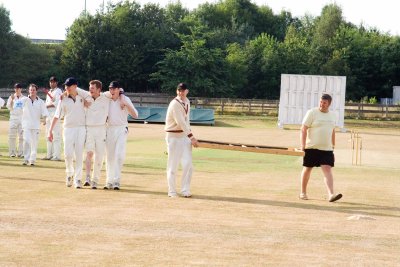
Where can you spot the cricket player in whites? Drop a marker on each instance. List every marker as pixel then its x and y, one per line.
pixel 96 117
pixel 52 99
pixel 14 104
pixel 117 132
pixel 72 109
pixel 33 110
pixel 179 140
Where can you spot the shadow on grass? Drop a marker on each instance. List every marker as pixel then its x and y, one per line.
pixel 355 208
pixel 341 207
pixel 61 181
pixel 37 166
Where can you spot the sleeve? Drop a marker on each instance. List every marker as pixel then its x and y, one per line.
pixel 45 113
pixel 308 118
pixel 131 107
pixel 24 100
pixel 9 106
pixel 84 94
pixel 107 94
pixel 56 97
pixel 58 114
pixel 180 119
pixel 1 102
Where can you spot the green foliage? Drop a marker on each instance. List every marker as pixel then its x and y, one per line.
pixel 124 44
pixel 202 68
pixel 230 48
pixel 21 61
pixel 372 100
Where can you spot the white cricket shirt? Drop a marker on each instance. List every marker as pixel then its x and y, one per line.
pixel 116 115
pixel 54 99
pixel 72 110
pixel 32 111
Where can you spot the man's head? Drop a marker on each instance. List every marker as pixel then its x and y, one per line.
pixel 70 85
pixel 325 102
pixel 33 88
pixel 95 87
pixel 114 89
pixel 182 90
pixel 53 82
pixel 18 88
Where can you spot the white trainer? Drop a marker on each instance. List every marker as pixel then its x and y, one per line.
pixel 108 186
pixel 68 181
pixel 116 186
pixel 94 185
pixel 78 184
pixel 303 196
pixel 87 182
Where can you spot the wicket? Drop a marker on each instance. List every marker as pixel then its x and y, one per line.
pixel 356 147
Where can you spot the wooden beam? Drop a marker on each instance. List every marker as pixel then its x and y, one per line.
pixel 251 148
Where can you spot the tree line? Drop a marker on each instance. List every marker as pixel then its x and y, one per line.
pixel 232 48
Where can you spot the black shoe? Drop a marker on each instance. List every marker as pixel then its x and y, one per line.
pixel 116 188
pixel 335 197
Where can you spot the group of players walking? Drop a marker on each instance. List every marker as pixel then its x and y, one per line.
pixel 97 123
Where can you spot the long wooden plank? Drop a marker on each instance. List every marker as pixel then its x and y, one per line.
pixel 251 148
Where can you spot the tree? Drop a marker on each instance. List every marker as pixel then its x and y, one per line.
pixel 295 52
pixel 123 44
pixel 203 69
pixel 237 68
pixel 325 29
pixel 263 59
pixel 20 60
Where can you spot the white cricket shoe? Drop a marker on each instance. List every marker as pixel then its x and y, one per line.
pixel 108 186
pixel 78 184
pixel 68 181
pixel 116 186
pixel 87 182
pixel 94 185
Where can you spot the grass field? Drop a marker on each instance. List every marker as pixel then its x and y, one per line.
pixel 244 210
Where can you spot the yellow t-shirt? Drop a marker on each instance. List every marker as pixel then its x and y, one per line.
pixel 320 127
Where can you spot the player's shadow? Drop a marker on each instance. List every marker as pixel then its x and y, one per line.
pixel 341 207
pixel 61 181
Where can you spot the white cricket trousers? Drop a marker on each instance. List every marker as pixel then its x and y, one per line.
pixel 31 138
pixel 179 151
pixel 96 143
pixel 74 142
pixel 115 150
pixel 15 130
pixel 53 148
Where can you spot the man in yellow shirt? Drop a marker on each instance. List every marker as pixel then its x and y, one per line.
pixel 317 138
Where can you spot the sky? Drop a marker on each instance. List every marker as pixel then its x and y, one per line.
pixel 49 19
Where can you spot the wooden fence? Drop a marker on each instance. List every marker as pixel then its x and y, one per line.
pixel 250 106
pixel 265 107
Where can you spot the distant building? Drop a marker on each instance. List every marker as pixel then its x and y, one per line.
pixel 46 41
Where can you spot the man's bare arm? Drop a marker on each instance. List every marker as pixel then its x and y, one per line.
pixel 303 136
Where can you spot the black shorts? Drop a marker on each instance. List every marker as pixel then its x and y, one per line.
pixel 316 158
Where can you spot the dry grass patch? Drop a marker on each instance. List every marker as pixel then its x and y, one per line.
pixel 244 210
